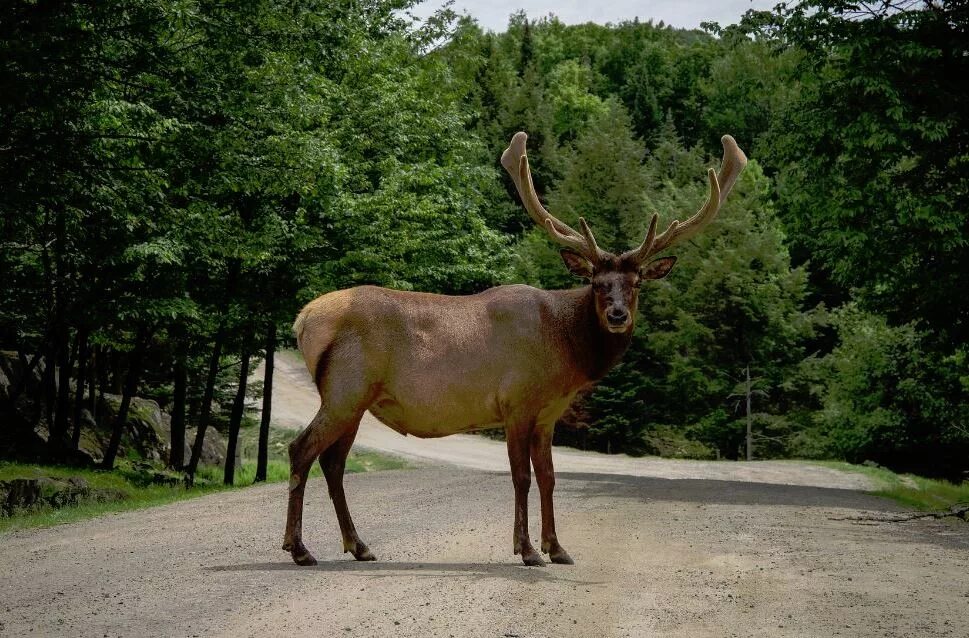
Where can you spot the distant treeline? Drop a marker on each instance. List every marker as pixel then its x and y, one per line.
pixel 178 178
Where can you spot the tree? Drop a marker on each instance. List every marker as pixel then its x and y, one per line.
pixel 884 398
pixel 604 181
pixel 732 301
pixel 872 156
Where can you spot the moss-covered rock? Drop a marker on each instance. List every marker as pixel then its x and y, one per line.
pixel 25 494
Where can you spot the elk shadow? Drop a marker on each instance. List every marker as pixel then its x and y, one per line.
pixel 388 569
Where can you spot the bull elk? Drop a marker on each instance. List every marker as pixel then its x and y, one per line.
pixel 511 357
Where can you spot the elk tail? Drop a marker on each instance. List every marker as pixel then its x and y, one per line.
pixel 298 326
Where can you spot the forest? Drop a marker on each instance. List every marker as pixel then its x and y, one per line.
pixel 179 177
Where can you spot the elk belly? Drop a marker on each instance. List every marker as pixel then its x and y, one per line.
pixel 431 419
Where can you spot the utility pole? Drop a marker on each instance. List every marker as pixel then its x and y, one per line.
pixel 750 435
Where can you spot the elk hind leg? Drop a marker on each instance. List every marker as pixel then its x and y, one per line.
pixel 333 461
pixel 319 435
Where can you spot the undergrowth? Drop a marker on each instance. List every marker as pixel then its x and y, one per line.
pixel 132 488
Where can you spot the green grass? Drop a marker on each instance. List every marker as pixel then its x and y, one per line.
pixel 136 495
pixel 928 494
pixel 913 491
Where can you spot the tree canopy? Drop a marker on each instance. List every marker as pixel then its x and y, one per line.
pixel 178 177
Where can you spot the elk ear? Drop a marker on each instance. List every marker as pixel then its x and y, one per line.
pixel 576 263
pixel 658 268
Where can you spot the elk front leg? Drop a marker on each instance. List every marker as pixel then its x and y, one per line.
pixel 305 448
pixel 521 476
pixel 333 461
pixel 541 452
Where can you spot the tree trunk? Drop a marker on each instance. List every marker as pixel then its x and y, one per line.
pixel 193 402
pixel 57 432
pixel 750 434
pixel 206 408
pixel 92 388
pixel 104 360
pixel 116 382
pixel 235 418
pixel 82 357
pixel 49 385
pixel 57 429
pixel 130 387
pixel 267 404
pixel 176 459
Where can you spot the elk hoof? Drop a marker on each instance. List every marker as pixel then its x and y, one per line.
pixel 304 558
pixel 301 555
pixel 363 553
pixel 532 559
pixel 358 548
pixel 556 553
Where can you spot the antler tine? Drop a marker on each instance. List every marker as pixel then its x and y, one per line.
pixel 515 160
pixel 681 232
pixel 590 239
pixel 732 165
pixel 644 247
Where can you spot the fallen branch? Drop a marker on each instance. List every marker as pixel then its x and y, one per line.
pixel 959 510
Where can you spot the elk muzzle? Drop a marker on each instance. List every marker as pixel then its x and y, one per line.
pixel 617 318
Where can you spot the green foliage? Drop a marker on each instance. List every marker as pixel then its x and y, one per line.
pixel 176 177
pixel 732 300
pixel 910 490
pixel 872 157
pixel 182 175
pixel 884 396
pixel 135 490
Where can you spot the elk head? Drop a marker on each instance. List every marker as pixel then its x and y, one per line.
pixel 615 278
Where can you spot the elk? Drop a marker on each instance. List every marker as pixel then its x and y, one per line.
pixel 510 357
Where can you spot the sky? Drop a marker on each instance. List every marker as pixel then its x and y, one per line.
pixel 493 14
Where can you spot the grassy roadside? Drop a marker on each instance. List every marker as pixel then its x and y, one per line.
pixel 133 493
pixel 913 491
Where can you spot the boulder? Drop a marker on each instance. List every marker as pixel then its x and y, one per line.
pixel 11 369
pixel 146 430
pixel 213 448
pixel 34 493
pixel 146 435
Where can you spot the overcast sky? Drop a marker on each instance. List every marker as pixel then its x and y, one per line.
pixel 493 14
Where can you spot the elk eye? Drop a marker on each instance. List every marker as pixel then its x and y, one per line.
pixel 599 286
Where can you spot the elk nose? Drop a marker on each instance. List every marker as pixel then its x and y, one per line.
pixel 617 316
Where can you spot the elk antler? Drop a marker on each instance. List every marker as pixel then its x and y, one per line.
pixel 733 163
pixel 515 162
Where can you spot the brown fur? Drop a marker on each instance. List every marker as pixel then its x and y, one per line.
pixel 511 357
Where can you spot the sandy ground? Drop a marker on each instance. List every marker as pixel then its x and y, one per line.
pixel 661 549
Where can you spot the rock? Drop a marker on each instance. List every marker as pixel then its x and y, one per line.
pixel 15 430
pixel 147 432
pixel 4 385
pixel 35 493
pixel 146 428
pixel 11 369
pixel 213 448
pixel 146 435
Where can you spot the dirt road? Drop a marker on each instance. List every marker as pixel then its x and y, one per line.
pixel 295 401
pixel 661 549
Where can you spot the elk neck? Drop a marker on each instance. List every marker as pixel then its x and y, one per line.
pixel 595 350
